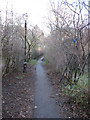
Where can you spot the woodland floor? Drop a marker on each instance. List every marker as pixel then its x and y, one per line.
pixel 66 106
pixel 18 94
pixel 18 90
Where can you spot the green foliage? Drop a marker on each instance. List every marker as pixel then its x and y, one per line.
pixel 45 62
pixel 77 93
pixel 20 77
pixel 83 81
pixel 33 62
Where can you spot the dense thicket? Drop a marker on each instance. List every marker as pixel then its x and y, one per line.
pixel 67 44
pixel 12 41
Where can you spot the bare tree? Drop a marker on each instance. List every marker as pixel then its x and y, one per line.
pixel 68 39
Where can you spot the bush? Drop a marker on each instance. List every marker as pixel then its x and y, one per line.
pixel 77 93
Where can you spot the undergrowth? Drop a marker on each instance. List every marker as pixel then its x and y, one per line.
pixel 46 62
pixel 77 93
pixel 33 62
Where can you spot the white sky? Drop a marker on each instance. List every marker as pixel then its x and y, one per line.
pixel 37 10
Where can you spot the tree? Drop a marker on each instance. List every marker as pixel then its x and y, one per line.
pixel 67 39
pixel 33 40
pixel 12 44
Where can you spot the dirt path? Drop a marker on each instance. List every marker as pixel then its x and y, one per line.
pixel 45 106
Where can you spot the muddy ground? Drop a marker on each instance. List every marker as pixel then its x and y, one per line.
pixel 18 94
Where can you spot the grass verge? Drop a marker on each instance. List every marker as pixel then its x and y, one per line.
pixel 33 62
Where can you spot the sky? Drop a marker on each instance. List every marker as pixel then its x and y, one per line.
pixel 37 10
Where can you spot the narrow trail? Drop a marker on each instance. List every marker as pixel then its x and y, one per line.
pixel 45 106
